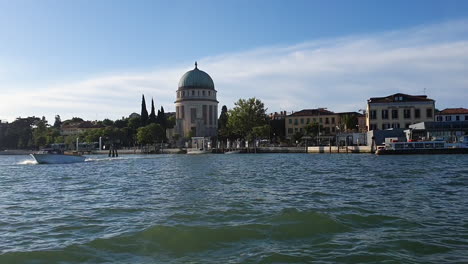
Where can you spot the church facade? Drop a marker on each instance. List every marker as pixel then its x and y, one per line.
pixel 196 105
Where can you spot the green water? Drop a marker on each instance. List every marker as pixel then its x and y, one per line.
pixel 246 208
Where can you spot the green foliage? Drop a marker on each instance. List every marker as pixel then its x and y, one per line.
pixel 311 129
pixel 58 121
pixel 297 136
pixel 152 116
pixel 261 132
pixel 246 115
pixel 171 121
pixel 350 122
pixel 144 112
pixel 107 122
pixel 150 134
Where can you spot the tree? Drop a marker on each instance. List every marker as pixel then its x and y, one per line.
pixel 58 121
pixel 350 122
pixel 246 115
pixel 162 118
pixel 39 134
pixel 152 116
pixel 107 122
pixel 144 112
pixel 311 129
pixel 261 132
pixel 223 132
pixel 150 134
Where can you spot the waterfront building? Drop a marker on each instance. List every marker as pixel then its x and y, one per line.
pixel 398 111
pixel 76 128
pixel 330 123
pixel 196 105
pixel 452 114
pixel 297 121
pixel 449 131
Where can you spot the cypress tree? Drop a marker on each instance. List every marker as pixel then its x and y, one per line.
pixel 163 118
pixel 152 116
pixel 144 112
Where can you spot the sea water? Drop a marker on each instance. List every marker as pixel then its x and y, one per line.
pixel 245 208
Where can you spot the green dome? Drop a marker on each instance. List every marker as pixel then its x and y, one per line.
pixel 196 79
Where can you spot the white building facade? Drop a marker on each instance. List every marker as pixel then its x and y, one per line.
pixel 196 105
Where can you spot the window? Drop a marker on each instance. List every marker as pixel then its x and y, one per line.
pixel 333 120
pixel 429 113
pixel 448 118
pixel 373 114
pixel 301 129
pixel 290 130
pixel 308 120
pixel 396 125
pixel 407 113
pixel 466 118
pixel 373 127
pixel 290 120
pixel 210 114
pixel 333 129
pixel 302 120
pixel 209 93
pixel 417 113
pixel 385 126
pixel 327 121
pixel 183 93
pixel 457 118
pixel 203 93
pixel 198 93
pixel 205 114
pixel 193 114
pixel 296 129
pixel 439 118
pixel 384 114
pixel 320 120
pixel 395 114
pixel 193 93
pixel 407 125
pixel 295 121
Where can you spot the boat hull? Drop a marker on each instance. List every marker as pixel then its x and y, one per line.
pixel 198 152
pixel 57 158
pixel 422 151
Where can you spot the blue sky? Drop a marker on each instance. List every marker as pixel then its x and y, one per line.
pixel 94 59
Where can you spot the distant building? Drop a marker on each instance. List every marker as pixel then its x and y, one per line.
pixel 297 121
pixel 361 121
pixel 277 116
pixel 452 114
pixel 449 131
pixel 76 128
pixel 398 111
pixel 196 105
pixel 330 123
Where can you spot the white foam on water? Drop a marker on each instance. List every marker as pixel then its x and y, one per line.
pixel 27 162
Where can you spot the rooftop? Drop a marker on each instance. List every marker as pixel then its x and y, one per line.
pixel 453 111
pixel 400 97
pixel 312 112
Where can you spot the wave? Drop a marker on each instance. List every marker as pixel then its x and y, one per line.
pixel 27 162
pixel 181 240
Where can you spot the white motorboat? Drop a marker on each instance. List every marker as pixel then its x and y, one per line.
pixel 232 152
pixel 50 157
pixel 198 151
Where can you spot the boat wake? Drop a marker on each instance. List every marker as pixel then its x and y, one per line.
pixel 27 162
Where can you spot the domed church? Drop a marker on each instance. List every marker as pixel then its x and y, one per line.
pixel 196 105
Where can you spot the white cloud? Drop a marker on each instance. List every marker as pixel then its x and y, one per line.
pixel 340 74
